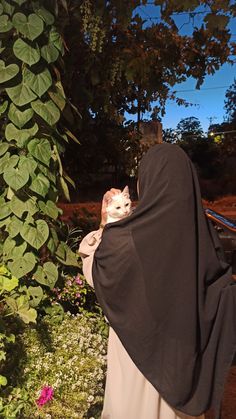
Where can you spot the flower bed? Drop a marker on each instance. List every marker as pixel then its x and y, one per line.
pixel 59 371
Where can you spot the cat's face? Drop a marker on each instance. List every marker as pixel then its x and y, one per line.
pixel 120 205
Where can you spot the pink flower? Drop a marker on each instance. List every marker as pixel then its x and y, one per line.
pixel 69 282
pixel 78 280
pixel 45 396
pixel 77 295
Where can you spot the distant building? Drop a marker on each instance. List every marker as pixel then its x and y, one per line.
pixel 151 133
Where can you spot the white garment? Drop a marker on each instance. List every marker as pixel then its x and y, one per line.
pixel 128 394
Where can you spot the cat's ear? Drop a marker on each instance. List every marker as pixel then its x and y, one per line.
pixel 125 192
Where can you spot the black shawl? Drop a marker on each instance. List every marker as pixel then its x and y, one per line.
pixel 163 284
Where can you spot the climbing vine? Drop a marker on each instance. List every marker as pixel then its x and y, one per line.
pixel 31 173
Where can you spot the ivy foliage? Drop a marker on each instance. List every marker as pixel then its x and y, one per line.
pixel 32 100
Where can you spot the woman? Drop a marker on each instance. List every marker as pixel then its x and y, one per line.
pixel 165 288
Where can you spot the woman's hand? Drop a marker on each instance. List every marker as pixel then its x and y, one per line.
pixel 106 197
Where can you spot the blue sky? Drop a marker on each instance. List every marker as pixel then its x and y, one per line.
pixel 208 102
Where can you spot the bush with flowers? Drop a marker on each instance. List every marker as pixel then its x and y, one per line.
pixel 59 369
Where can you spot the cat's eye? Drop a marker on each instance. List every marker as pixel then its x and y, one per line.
pixel 126 205
pixel 117 207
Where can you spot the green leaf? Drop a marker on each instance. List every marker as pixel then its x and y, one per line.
pixel 16 178
pixel 40 82
pixel 5 23
pixel 47 275
pixel 65 255
pixel 20 135
pixel 30 26
pixel 28 163
pixel 25 52
pixel 7 7
pixel 40 185
pixel 4 162
pixel 23 265
pixel 3 107
pixel 9 71
pixel 5 210
pixel 3 148
pixel 41 149
pixel 3 380
pixel 36 235
pixel 47 110
pixel 17 206
pixel 19 118
pixel 18 251
pixel 57 98
pixel 21 94
pixel 21 307
pixel 1 9
pixel 49 53
pixel 8 245
pixel 64 188
pixel 37 295
pixel 56 40
pixel 8 284
pixel 49 208
pixel 14 227
pixel 45 15
pixel 52 242
pixel 27 315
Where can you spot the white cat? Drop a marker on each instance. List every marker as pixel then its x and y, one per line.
pixel 119 206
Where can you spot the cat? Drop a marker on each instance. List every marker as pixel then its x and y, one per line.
pixel 119 206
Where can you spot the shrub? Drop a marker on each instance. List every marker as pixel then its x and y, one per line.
pixel 64 362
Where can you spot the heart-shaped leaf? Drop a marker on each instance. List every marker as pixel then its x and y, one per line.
pixel 25 52
pixel 8 284
pixel 7 162
pixel 28 162
pixel 30 26
pixel 55 39
pixel 58 95
pixel 49 208
pixel 4 161
pixel 8 8
pixel 36 235
pixel 20 94
pixel 16 178
pixel 40 185
pixel 18 207
pixel 50 53
pixel 47 110
pixel 19 118
pixel 14 227
pixel 18 251
pixel 5 210
pixel 41 149
pixel 3 148
pixel 47 275
pixel 45 15
pixel 40 82
pixel 65 255
pixel 36 294
pixel 23 265
pixel 7 72
pixel 3 107
pixel 5 23
pixel 20 135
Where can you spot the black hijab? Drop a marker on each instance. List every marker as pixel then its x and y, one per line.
pixel 163 284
